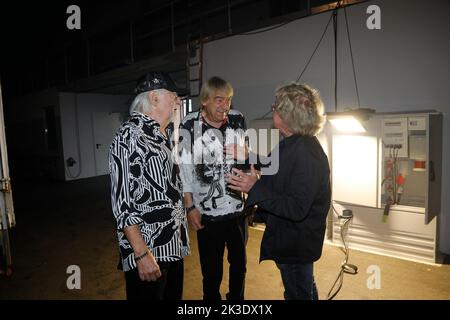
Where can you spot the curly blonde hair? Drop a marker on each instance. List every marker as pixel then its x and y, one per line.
pixel 301 108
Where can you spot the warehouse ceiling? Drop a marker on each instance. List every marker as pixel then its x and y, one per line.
pixel 120 40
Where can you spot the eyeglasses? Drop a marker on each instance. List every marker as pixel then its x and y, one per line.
pixel 273 107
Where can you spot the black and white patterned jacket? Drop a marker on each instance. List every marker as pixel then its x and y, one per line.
pixel 146 191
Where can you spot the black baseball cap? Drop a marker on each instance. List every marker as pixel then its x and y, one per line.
pixel 158 80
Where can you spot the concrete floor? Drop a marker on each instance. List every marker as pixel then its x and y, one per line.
pixel 62 224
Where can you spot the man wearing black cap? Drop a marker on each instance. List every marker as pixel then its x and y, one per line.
pixel 146 194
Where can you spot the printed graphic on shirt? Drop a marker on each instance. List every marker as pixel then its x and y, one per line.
pixel 207 167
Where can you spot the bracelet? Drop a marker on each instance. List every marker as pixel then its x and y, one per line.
pixel 141 256
pixel 190 209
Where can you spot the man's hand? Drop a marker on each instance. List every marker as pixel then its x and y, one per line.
pixel 195 219
pixel 241 181
pixel 148 268
pixel 236 151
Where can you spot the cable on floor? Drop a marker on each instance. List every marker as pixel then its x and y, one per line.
pixel 345 218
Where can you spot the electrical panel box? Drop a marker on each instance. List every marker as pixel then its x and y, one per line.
pixel 397 161
pixel 390 177
pixel 411 162
pixel 395 135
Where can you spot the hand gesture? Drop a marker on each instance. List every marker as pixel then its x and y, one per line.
pixel 240 181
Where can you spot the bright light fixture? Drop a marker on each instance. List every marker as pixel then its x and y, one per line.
pixel 347 124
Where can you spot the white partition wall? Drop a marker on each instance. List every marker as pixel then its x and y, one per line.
pixel 88 125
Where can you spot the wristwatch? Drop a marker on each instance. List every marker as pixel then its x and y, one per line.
pixel 190 208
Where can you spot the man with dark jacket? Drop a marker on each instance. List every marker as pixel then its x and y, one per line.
pixel 297 198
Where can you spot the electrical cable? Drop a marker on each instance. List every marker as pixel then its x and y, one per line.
pixel 396 151
pixel 310 58
pixel 335 35
pixel 317 47
pixel 335 25
pixel 333 17
pixel 267 29
pixel 351 55
pixel 347 217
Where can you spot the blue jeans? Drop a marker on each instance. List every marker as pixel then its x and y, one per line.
pixel 298 281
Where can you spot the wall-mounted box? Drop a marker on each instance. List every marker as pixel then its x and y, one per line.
pixel 396 161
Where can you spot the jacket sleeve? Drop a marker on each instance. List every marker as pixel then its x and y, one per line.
pixel 121 183
pixel 186 160
pixel 295 202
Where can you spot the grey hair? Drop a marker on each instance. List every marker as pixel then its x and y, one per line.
pixel 301 108
pixel 141 104
pixel 214 84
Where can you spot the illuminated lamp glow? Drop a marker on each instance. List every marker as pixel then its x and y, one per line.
pixel 347 124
